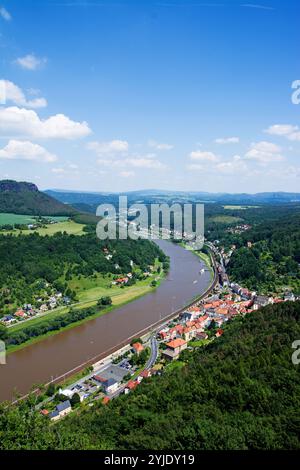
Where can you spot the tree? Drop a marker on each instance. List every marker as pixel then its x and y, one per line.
pixel 75 400
pixel 104 301
pixel 3 333
pixel 50 390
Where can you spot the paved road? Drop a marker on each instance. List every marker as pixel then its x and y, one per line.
pixel 153 354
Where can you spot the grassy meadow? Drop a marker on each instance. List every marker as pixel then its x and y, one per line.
pixel 69 226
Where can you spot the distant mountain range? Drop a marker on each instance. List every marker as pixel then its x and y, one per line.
pixel 84 199
pixel 25 198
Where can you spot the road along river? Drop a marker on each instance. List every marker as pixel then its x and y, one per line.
pixel 57 355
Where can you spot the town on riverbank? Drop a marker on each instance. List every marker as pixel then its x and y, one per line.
pixel 160 350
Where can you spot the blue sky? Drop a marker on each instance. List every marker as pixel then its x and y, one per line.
pixel 121 95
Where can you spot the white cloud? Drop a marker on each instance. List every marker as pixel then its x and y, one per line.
pixel 285 130
pixel 5 14
pixel 259 7
pixel 25 150
pixel 20 121
pixel 11 92
pixel 264 152
pixel 228 140
pixel 144 163
pixel 232 167
pixel 114 146
pixel 196 167
pixel 160 146
pixel 30 62
pixel 135 162
pixel 58 171
pixel 127 174
pixel 198 155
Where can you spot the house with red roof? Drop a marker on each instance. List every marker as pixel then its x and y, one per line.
pixel 132 384
pixel 222 311
pixel 122 280
pixel 100 379
pixel 179 329
pixel 202 335
pixel 189 333
pixel 204 321
pixel 145 374
pixel 20 314
pixel 172 333
pixel 164 334
pixel 137 347
pixel 195 309
pixel 174 348
pixel 219 333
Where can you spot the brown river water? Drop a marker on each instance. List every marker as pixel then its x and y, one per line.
pixel 58 354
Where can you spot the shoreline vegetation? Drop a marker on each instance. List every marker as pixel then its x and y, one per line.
pixel 205 257
pixel 64 286
pixel 82 372
pixel 99 313
pixel 195 375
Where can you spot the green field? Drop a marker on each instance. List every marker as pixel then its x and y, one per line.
pixel 199 343
pixel 240 208
pixel 88 291
pixel 69 226
pixel 11 219
pixel 225 219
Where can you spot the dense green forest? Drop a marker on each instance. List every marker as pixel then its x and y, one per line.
pixel 30 263
pixel 49 325
pixel 240 392
pixel 25 198
pixel 271 264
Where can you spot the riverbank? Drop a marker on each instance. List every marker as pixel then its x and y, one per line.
pixel 128 294
pixel 71 376
pixel 206 258
pixel 93 340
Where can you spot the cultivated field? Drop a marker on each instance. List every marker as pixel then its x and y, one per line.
pixel 240 208
pixel 69 226
pixel 225 219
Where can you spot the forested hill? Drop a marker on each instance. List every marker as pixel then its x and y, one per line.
pixel 25 198
pixel 271 263
pixel 240 392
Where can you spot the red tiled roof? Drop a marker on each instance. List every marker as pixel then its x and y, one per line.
pixel 187 330
pixel 99 378
pixel 222 311
pixel 179 328
pixel 105 400
pixel 216 303
pixel 202 319
pixel 176 343
pixel 138 347
pixel 195 309
pixel 206 306
pixel 20 313
pixel 145 374
pixel 132 384
pixel 163 334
